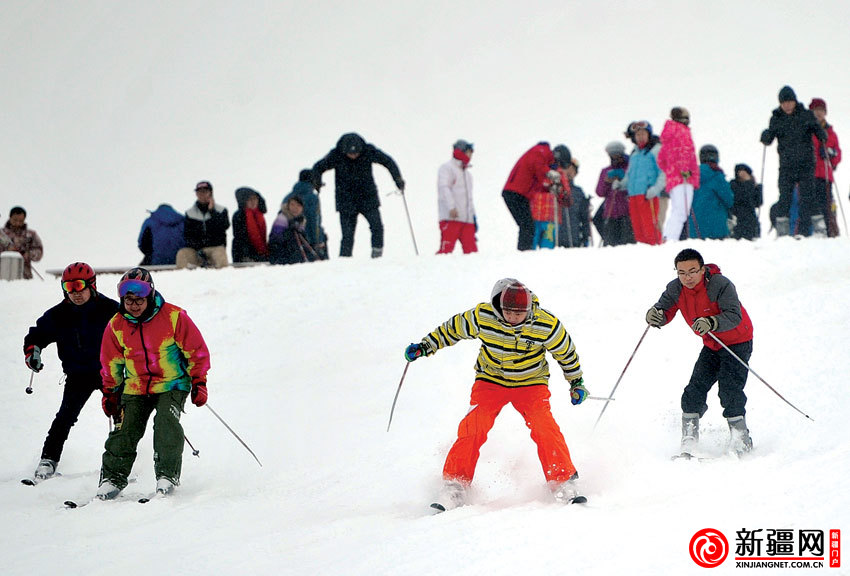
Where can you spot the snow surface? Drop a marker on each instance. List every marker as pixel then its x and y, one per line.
pixel 111 109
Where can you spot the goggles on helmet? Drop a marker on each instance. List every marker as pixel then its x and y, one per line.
pixel 78 285
pixel 137 287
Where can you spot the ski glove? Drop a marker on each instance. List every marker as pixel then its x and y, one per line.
pixel 655 317
pixel 577 391
pixel 111 404
pixel 199 394
pixel 767 137
pixel 414 351
pixel 32 358
pixel 703 326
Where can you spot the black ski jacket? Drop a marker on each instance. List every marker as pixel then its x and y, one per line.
pixel 794 133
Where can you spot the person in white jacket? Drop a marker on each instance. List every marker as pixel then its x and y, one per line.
pixel 456 210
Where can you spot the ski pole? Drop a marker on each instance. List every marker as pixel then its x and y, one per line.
pixel 36 272
pixel 194 451
pixel 747 366
pixel 29 388
pixel 409 223
pixel 400 382
pixel 235 435
pixel 763 157
pixel 599 398
pixel 830 181
pixel 611 395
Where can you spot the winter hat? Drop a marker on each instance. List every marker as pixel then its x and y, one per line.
pixel 562 155
pixel 463 146
pixel 680 114
pixel 516 298
pixel 817 103
pixel 743 167
pixel 574 163
pixel 787 95
pixel 305 175
pixel 615 149
pixel 203 185
pixel 351 143
pixel 709 153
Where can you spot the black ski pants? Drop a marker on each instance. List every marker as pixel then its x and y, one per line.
pixel 804 177
pixel 520 209
pixel 78 389
pixel 731 376
pixel 348 223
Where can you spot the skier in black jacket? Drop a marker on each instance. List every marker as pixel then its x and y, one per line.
pixel 76 325
pixel 793 125
pixel 356 192
pixel 748 198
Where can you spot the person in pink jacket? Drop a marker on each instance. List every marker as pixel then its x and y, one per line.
pixel 678 160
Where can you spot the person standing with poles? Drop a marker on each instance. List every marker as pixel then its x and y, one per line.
pixel 827 157
pixel 153 357
pixel 356 192
pixel 454 201
pixel 76 326
pixel 709 304
pixel 515 333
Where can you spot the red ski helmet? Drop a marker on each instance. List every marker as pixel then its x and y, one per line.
pixel 78 276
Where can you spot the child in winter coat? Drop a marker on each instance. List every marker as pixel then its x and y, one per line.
pixel 515 333
pixel 249 227
pixel 645 181
pixel 76 325
pixel 747 198
pixel 678 160
pixel 152 358
pixel 287 244
pixel 712 200
pixel 17 236
pixel 709 304
pixel 454 201
pixel 827 157
pixel 546 205
pixel 612 217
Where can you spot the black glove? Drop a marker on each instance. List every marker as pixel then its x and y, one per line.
pixel 32 358
pixel 655 317
pixel 400 184
pixel 703 326
pixel 766 137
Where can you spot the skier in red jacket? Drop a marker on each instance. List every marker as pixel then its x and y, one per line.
pixel 709 303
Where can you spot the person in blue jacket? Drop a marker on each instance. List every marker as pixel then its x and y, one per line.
pixel 161 236
pixel 313 231
pixel 713 199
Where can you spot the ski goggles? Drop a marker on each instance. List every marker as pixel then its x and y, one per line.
pixel 71 286
pixel 639 125
pixel 137 287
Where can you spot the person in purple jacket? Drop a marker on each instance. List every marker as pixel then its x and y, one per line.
pixel 612 218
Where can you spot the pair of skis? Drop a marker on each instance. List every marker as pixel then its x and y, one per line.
pixel 439 508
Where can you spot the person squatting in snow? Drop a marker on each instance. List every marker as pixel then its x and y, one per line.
pixel 515 333
pixel 152 357
pixel 709 303
pixel 76 326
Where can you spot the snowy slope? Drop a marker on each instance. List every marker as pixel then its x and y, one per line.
pixel 306 360
pixel 110 109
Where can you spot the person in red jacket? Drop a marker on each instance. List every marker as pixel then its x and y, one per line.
pixel 827 158
pixel 529 177
pixel 709 304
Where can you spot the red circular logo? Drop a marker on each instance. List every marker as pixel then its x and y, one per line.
pixel 709 548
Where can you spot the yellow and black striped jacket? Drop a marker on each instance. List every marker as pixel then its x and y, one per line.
pixel 510 355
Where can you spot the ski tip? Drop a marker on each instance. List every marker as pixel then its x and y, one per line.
pixel 28 482
pixel 438 507
pixel 579 500
pixel 144 500
pixel 70 504
pixel 682 456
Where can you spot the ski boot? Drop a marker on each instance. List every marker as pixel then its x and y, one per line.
pixel 690 433
pixel 107 491
pixel 377 252
pixel 452 495
pixel 783 226
pixel 46 469
pixel 164 486
pixel 819 226
pixel 567 492
pixel 741 442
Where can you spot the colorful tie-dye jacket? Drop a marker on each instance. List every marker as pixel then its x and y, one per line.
pixel 163 352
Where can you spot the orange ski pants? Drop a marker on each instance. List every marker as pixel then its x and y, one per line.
pixel 485 404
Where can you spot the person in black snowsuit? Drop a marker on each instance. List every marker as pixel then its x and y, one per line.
pixel 793 125
pixel 249 227
pixel 356 191
pixel 748 198
pixel 76 325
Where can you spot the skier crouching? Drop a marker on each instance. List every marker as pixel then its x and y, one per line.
pixel 709 303
pixel 515 333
